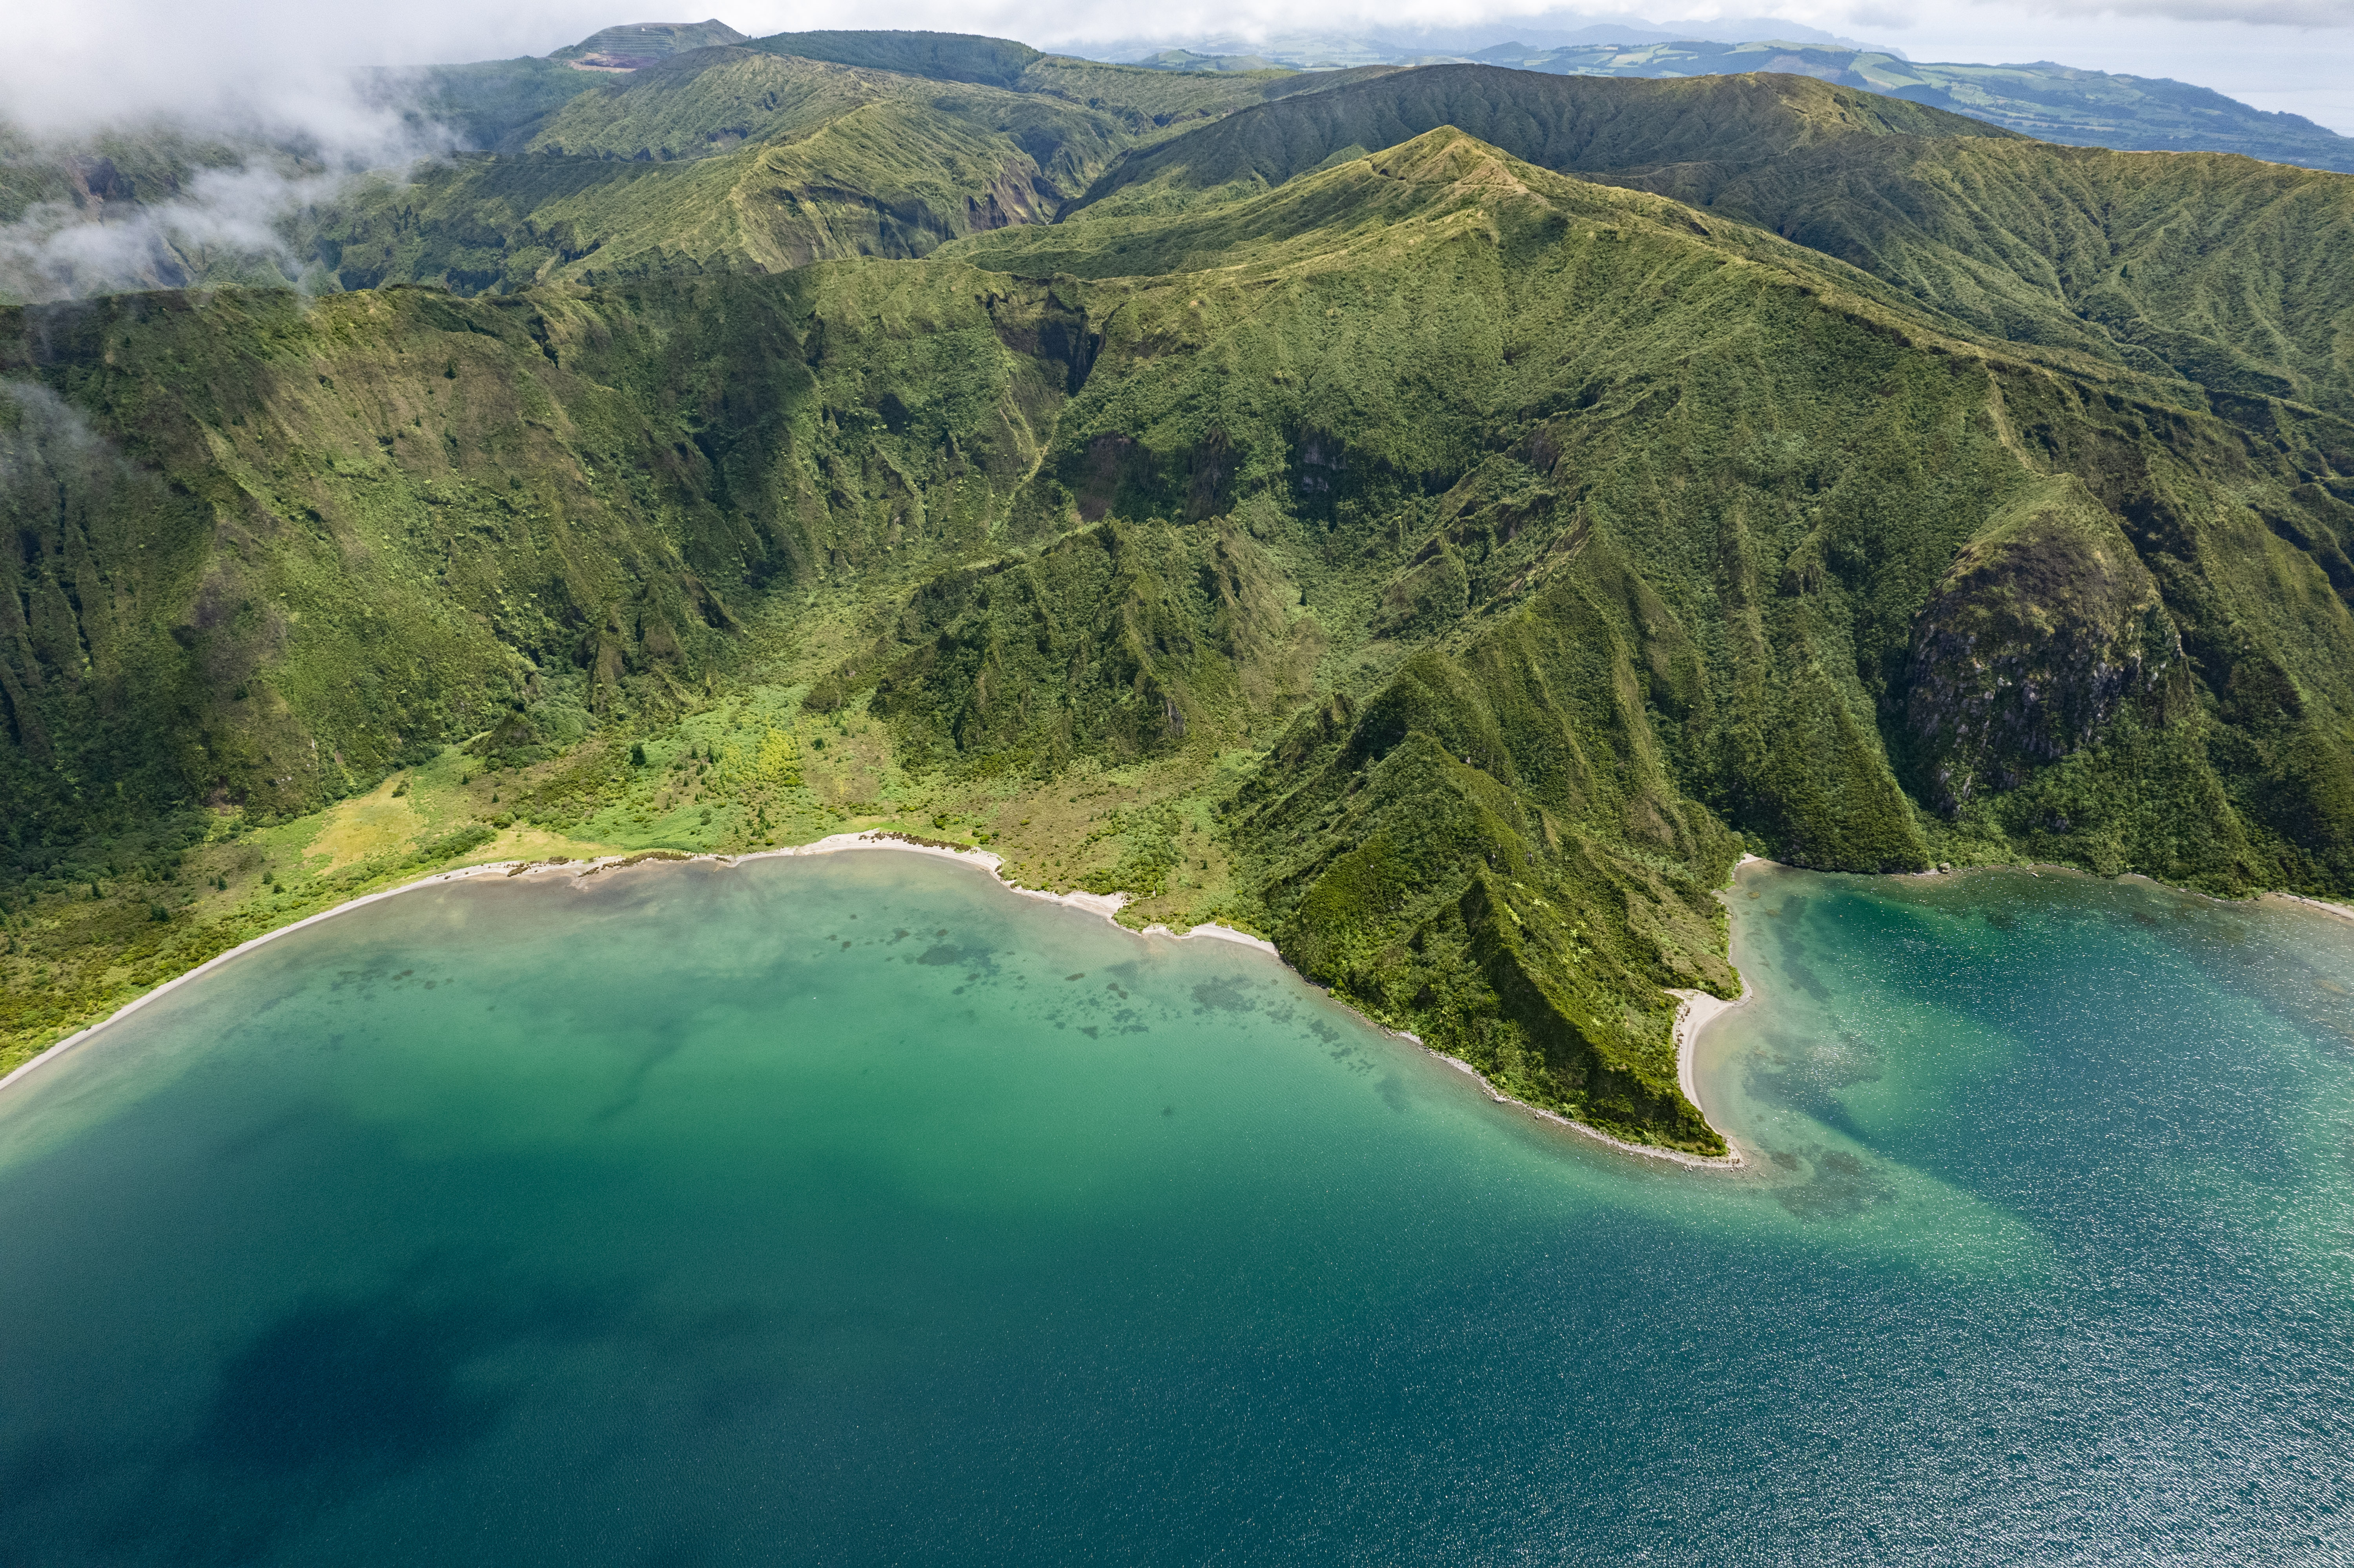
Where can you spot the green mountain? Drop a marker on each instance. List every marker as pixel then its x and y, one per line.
pixel 1439 520
pixel 790 150
pixel 1572 124
pixel 802 146
pixel 2052 102
pixel 722 160
pixel 2203 268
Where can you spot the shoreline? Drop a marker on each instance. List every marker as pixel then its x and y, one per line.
pixel 1690 1017
pixel 1696 1010
pixel 1107 904
pixel 2339 911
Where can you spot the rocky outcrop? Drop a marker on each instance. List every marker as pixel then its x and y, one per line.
pixel 2046 625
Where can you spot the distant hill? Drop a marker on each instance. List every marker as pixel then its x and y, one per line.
pixel 1186 59
pixel 942 57
pixel 637 45
pixel 1569 124
pixel 2050 102
pixel 748 156
pixel 799 148
pixel 1310 51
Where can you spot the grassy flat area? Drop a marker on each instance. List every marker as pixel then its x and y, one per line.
pixel 744 772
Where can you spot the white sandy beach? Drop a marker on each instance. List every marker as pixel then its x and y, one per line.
pixel 1699 1011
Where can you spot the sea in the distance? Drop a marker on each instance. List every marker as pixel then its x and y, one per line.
pixel 854 1210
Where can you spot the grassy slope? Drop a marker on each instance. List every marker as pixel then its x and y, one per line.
pixel 2229 273
pixel 724 160
pixel 1161 100
pixel 941 56
pixel 386 511
pixel 1437 563
pixel 754 158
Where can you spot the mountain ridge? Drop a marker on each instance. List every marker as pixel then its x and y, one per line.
pixel 2042 99
pixel 2065 104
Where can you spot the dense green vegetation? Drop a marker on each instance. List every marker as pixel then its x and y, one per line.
pixel 723 160
pixel 1442 562
pixel 2052 102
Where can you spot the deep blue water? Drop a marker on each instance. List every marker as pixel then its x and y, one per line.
pixel 853 1210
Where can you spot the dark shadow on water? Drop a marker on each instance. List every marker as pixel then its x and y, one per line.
pixel 348 1390
pixel 332 1400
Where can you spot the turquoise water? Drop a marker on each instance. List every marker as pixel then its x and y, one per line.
pixel 853 1210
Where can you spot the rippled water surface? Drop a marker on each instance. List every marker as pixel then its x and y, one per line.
pixel 853 1210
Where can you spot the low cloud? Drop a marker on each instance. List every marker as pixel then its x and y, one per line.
pixel 241 114
pixel 228 225
pixel 72 69
pixel 214 199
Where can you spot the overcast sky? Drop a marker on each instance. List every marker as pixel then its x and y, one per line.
pixel 69 61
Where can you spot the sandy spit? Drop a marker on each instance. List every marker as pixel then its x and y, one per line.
pixel 1725 1162
pixel 1699 1009
pixel 1107 904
